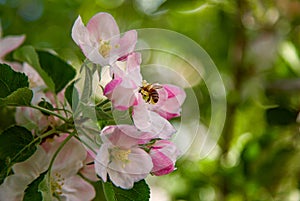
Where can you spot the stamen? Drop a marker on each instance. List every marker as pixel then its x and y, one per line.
pixel 57 182
pixel 104 48
pixel 121 155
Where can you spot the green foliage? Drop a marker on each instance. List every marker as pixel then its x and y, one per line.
pixel 39 189
pixel 31 192
pixel 254 44
pixel 16 145
pixel 60 72
pixel 139 192
pixel 20 97
pixel 13 87
pixel 55 72
pixel 10 80
pixel 29 55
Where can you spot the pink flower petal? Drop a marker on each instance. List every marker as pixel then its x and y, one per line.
pixel 125 136
pixel 126 44
pixel 129 69
pixel 139 162
pixel 82 38
pixel 151 122
pixel 88 170
pixel 111 86
pixel 80 33
pixel 13 187
pixel 164 154
pixel 102 161
pixel 171 106
pixel 103 26
pixel 9 43
pixel 70 158
pixel 137 168
pixel 162 164
pixel 121 97
pixel 77 189
pixel 175 92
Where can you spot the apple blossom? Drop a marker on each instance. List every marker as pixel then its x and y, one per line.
pixel 128 89
pixel 120 156
pixel 65 183
pixel 127 78
pixel 100 40
pixel 164 154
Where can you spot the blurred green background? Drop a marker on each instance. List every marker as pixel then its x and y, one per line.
pixel 255 46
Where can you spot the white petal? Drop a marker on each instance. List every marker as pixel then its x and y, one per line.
pixel 101 161
pixel 87 43
pixel 80 33
pixel 139 162
pixel 103 26
pixel 77 189
pixel 34 165
pixel 151 122
pixel 12 189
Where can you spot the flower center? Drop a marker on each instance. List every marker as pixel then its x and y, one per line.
pixel 121 155
pixel 57 182
pixel 104 48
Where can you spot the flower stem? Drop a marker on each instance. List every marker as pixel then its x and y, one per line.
pixel 58 150
pixel 49 112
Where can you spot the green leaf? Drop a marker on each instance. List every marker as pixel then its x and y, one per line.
pixel 72 95
pixel 39 189
pixel 55 72
pixel 139 192
pixel 29 55
pixel 15 146
pixel 20 97
pixel 13 87
pixel 10 80
pixel 60 72
pixel 31 192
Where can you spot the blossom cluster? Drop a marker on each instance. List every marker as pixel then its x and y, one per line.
pixel 73 159
pixel 130 152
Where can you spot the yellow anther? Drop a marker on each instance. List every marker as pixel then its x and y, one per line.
pixel 104 48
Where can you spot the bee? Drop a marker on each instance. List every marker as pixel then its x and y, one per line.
pixel 149 92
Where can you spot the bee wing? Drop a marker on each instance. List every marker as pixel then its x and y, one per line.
pixel 156 86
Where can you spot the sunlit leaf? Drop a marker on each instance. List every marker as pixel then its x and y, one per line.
pixel 20 97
